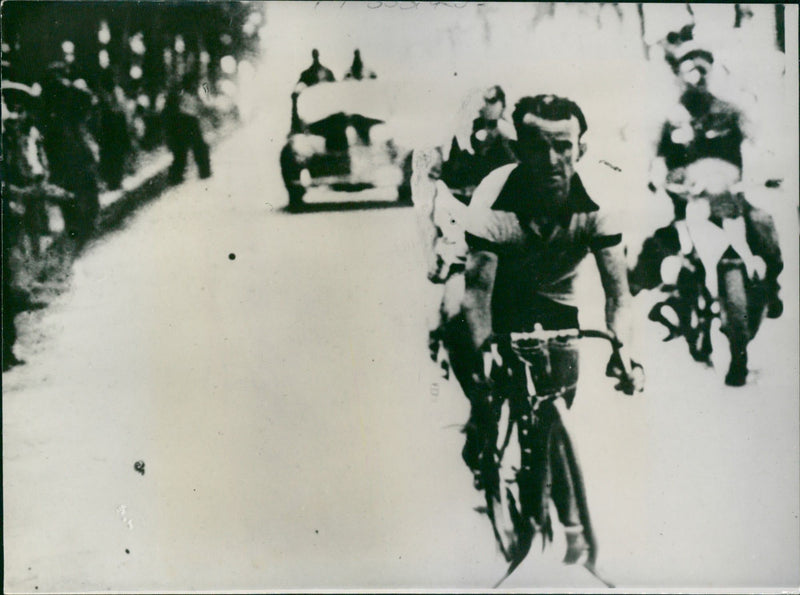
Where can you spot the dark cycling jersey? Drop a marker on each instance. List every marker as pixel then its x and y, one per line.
pixel 713 128
pixel 536 274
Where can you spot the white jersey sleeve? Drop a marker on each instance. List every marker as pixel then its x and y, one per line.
pixel 480 220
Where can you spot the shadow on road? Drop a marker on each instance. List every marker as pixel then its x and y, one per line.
pixel 325 207
pixel 115 216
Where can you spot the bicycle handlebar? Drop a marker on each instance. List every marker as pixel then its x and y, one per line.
pixel 561 334
pixel 575 333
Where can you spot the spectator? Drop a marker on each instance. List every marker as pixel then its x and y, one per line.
pixel 70 150
pixel 114 139
pixel 24 194
pixel 23 164
pixel 182 131
pixel 12 223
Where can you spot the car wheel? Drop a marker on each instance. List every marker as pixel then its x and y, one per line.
pixel 404 189
pixel 296 194
pixel 290 172
pixel 404 194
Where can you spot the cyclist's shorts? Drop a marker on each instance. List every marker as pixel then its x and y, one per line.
pixel 553 366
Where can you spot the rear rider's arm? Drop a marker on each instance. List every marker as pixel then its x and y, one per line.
pixel 489 229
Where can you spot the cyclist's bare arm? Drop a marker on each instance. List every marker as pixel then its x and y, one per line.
pixel 477 303
pixel 611 264
pixel 613 275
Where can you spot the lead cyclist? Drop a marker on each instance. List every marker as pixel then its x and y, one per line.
pixel 529 226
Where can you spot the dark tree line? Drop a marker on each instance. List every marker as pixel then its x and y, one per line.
pixel 33 33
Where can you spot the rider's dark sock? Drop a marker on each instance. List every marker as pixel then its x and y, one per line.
pixel 736 377
pixel 737 373
pixel 774 302
pixel 774 306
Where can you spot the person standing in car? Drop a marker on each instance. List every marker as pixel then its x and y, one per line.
pixel 357 70
pixel 316 73
pixel 313 75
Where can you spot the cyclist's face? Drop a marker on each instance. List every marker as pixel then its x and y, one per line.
pixel 693 73
pixel 492 107
pixel 550 149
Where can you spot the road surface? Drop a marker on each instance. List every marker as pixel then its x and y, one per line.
pixel 270 372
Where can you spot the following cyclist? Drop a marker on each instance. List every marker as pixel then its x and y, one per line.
pixel 700 164
pixel 490 145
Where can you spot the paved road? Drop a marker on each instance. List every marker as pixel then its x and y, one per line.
pixel 269 370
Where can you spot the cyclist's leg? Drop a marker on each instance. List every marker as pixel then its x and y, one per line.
pixel 535 477
pixel 466 363
pixel 762 237
pixel 465 359
pixel 759 295
pixel 563 488
pixel 569 495
pixel 734 297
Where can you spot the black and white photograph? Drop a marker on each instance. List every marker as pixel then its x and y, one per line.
pixel 400 297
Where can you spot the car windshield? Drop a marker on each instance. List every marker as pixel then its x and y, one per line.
pixel 372 99
pixel 409 112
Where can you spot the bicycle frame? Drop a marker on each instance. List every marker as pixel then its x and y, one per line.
pixel 694 306
pixel 521 339
pixel 520 425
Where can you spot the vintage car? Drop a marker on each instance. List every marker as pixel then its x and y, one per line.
pixel 346 136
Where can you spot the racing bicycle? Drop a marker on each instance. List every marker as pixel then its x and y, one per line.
pixel 520 452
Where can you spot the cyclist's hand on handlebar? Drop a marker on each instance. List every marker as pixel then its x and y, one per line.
pixel 756 267
pixel 628 383
pixel 634 382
